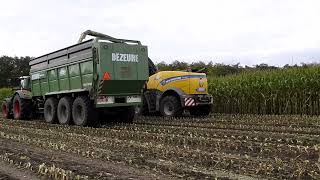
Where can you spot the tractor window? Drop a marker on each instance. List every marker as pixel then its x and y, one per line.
pixel 25 83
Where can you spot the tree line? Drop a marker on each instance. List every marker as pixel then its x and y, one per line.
pixel 14 67
pixel 219 69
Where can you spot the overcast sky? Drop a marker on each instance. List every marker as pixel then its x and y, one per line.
pixel 276 32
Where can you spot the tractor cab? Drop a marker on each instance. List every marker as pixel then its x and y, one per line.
pixel 25 83
pixel 20 83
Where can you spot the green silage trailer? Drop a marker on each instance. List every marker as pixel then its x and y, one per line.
pixel 76 83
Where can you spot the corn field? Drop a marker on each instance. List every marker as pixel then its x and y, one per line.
pixel 287 91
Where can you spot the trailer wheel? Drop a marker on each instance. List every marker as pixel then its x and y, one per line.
pixel 21 108
pixel 170 106
pixel 200 111
pixel 6 110
pixel 64 110
pixel 127 114
pixel 50 110
pixel 82 111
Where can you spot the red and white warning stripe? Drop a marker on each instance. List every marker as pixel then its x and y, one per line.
pixel 189 102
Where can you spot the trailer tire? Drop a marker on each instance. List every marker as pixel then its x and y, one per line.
pixel 83 112
pixel 21 108
pixel 6 110
pixel 170 106
pixel 65 110
pixel 50 110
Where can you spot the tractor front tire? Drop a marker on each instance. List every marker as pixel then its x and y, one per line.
pixel 6 110
pixel 65 110
pixel 50 110
pixel 21 108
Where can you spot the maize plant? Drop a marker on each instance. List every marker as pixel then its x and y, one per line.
pixel 287 91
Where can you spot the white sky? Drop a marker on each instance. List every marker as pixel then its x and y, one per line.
pixel 276 32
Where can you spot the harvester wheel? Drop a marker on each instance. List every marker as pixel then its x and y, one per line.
pixel 50 110
pixel 170 106
pixel 65 110
pixel 200 111
pixel 6 110
pixel 82 111
pixel 21 108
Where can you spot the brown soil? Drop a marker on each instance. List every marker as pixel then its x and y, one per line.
pixel 80 165
pixel 8 172
pixel 222 147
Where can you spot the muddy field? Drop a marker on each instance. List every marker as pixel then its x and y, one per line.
pixel 220 146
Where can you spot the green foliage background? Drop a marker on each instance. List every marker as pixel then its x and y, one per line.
pixel 5 92
pixel 12 67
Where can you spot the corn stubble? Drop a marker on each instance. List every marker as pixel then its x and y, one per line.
pixel 220 146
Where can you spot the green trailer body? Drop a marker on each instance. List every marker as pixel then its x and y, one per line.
pixel 83 83
pixel 112 74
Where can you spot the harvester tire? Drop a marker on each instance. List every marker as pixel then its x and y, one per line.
pixel 50 110
pixel 170 106
pixel 21 108
pixel 6 110
pixel 83 112
pixel 65 110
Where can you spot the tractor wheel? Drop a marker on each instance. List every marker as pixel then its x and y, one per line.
pixel 21 108
pixel 170 106
pixel 83 112
pixel 50 110
pixel 6 110
pixel 200 111
pixel 64 110
pixel 126 114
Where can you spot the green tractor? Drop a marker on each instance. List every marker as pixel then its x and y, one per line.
pixel 19 105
